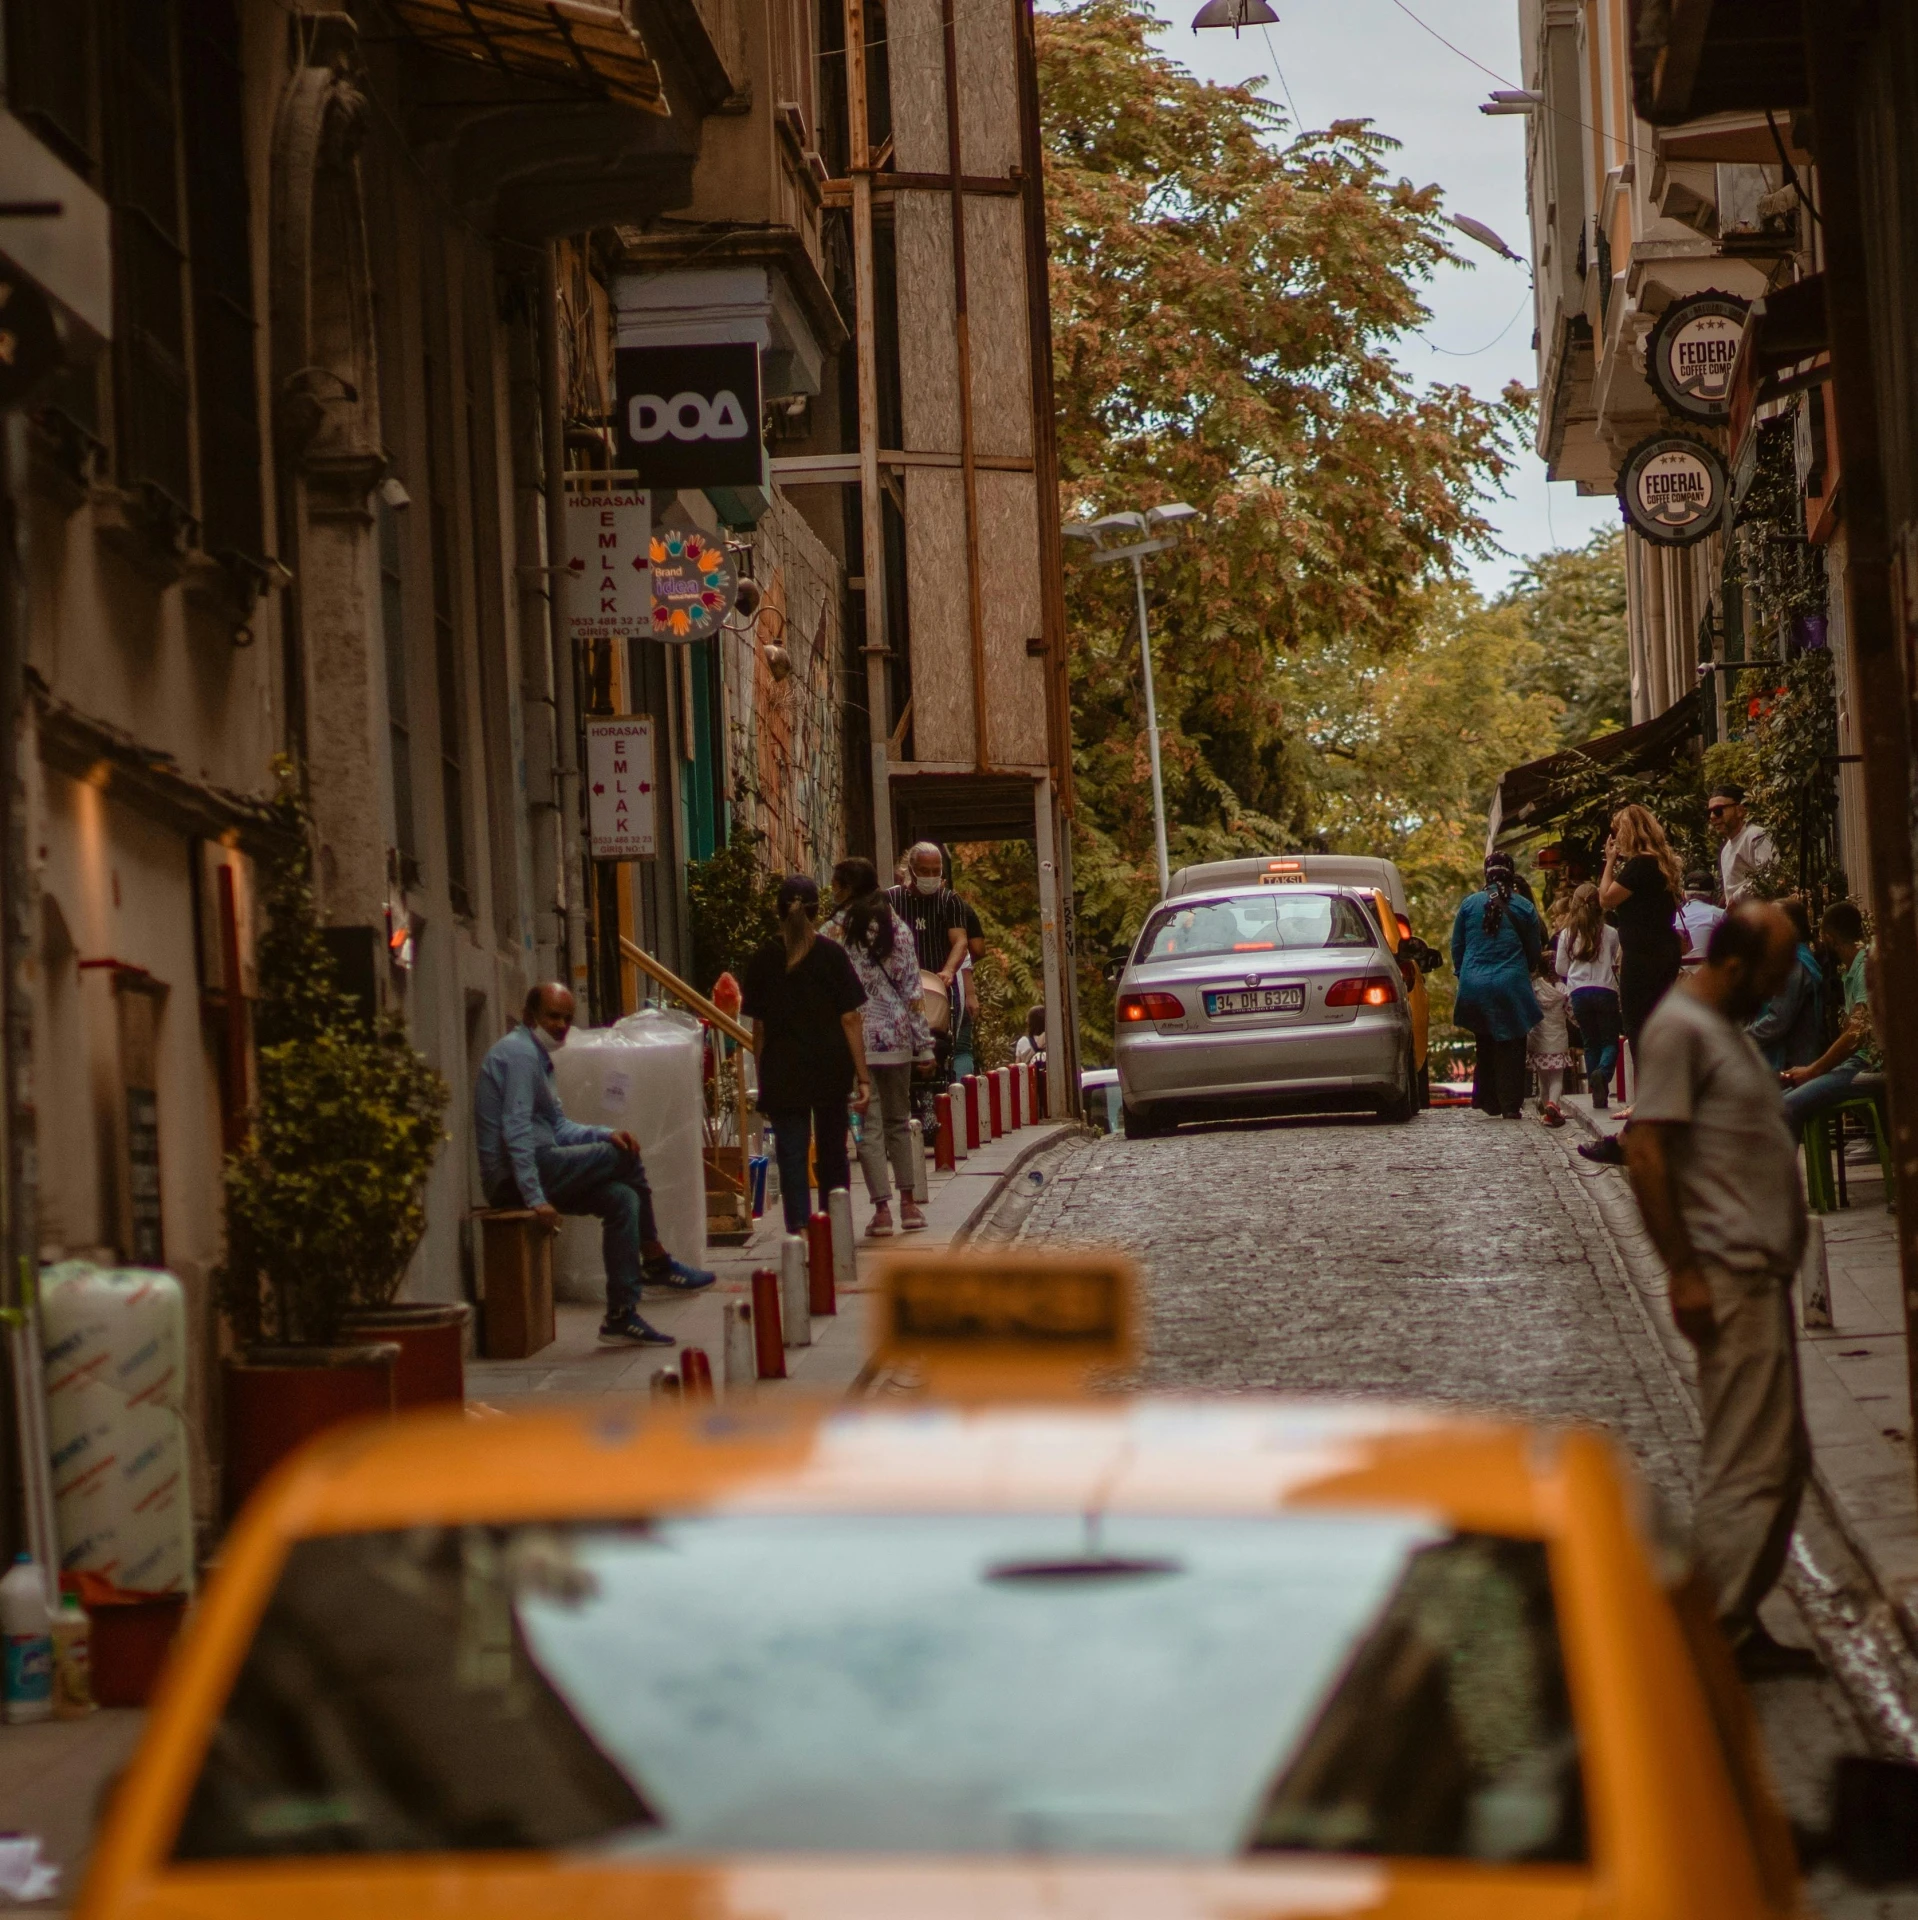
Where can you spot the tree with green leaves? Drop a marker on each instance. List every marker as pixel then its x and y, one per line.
pixel 1226 292
pixel 1572 605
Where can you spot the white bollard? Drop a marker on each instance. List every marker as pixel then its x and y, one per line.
pixel 795 1296
pixel 845 1267
pixel 919 1188
pixel 1814 1279
pixel 738 1358
pixel 956 1120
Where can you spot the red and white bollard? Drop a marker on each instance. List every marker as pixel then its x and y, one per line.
pixel 996 1101
pixel 1015 1098
pixel 1039 1100
pixel 795 1293
pixel 944 1157
pixel 769 1343
pixel 695 1374
pixel 973 1116
pixel 821 1295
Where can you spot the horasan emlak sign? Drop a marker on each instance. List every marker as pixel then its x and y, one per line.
pixel 1673 489
pixel 609 584
pixel 619 787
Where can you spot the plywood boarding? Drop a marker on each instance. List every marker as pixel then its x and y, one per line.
pixel 1009 573
pixel 988 86
pixel 928 342
pixel 916 55
pixel 999 325
pixel 938 607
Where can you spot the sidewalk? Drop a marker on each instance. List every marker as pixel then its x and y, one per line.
pixel 576 1366
pixel 1857 1402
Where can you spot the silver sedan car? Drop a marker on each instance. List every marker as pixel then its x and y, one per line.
pixel 1250 999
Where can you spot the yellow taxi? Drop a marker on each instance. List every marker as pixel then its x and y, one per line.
pixel 1002 1646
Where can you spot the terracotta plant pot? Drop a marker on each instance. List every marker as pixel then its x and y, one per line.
pixel 130 1643
pixel 278 1398
pixel 432 1341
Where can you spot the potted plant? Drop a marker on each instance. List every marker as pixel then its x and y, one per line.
pixel 325 1197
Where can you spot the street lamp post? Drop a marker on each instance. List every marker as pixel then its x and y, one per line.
pixel 1145 524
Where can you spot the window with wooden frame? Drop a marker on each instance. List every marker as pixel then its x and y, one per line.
pixel 153 391
pixel 226 396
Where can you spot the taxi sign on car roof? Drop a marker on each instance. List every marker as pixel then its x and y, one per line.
pixel 998 1325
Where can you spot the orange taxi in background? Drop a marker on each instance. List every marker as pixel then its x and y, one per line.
pixel 1007 1649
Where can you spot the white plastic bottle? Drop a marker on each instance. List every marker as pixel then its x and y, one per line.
pixel 28 1692
pixel 72 1630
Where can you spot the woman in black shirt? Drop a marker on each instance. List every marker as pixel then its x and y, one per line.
pixel 803 999
pixel 1641 887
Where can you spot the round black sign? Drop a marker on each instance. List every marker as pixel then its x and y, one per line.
pixel 1693 352
pixel 1673 489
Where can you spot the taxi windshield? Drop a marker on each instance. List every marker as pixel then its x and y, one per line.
pixel 1012 1684
pixel 1276 920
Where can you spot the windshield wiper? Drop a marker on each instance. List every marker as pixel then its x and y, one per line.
pixel 1091 1566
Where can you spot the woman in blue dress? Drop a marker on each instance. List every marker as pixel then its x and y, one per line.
pixel 1496 941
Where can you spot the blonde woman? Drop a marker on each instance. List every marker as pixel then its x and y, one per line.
pixel 1640 888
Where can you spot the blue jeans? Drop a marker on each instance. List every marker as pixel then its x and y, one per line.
pixel 962 1059
pixel 1596 1011
pixel 795 1129
pixel 606 1180
pixel 1818 1096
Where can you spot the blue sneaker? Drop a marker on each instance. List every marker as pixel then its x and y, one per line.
pixel 676 1276
pixel 629 1330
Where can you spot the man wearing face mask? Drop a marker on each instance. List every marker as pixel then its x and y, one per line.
pixel 531 1155
pixel 939 919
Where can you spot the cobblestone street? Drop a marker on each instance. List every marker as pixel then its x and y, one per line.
pixel 1458 1260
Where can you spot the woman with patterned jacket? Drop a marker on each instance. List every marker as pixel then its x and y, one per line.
pixel 898 1040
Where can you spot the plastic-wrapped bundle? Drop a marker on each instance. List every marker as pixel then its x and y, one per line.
pixel 115 1351
pixel 643 1076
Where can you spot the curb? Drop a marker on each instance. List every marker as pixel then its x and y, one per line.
pixel 1869 1641
pixel 1067 1132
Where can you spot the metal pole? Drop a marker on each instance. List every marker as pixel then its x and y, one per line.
pixel 871 499
pixel 1872 627
pixel 570 906
pixel 1152 732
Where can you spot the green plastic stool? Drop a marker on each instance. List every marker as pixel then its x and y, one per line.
pixel 1821 1185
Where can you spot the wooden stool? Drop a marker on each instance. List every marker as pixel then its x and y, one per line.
pixel 516 1283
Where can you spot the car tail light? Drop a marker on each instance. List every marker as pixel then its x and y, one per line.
pixel 1368 992
pixel 1135 1007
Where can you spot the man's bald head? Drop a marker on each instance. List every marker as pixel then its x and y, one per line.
pixel 549 1007
pixel 1750 957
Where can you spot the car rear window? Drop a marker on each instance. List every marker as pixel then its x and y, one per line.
pixel 1281 919
pixel 1008 1684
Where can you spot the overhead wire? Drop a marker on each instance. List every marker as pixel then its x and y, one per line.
pixel 1460 353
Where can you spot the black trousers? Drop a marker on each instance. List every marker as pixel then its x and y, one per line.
pixel 1498 1074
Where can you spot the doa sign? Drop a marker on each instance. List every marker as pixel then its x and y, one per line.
pixel 689 416
pixel 619 787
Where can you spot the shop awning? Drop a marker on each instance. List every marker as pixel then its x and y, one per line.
pixel 573 46
pixel 1530 797
pixel 1694 57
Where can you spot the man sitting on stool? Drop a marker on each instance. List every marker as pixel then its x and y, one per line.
pixel 531 1155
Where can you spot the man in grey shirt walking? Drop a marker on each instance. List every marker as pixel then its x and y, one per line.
pixel 1715 1171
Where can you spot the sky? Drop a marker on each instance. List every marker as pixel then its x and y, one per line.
pixel 1370 60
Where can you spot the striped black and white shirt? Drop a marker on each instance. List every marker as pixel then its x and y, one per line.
pixel 932 917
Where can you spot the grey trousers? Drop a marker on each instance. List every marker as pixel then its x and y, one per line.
pixel 885 1132
pixel 1756 1453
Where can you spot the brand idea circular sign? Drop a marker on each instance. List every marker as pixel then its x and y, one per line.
pixel 1673 490
pixel 1693 352
pixel 694 585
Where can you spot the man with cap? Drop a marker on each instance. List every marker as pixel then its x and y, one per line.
pixel 1747 848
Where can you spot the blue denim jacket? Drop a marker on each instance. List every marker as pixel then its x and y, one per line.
pixel 516 1111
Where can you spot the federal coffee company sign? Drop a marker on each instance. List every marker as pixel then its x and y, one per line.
pixel 1693 353
pixel 1673 489
pixel 689 416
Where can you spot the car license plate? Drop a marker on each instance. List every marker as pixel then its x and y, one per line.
pixel 1256 1000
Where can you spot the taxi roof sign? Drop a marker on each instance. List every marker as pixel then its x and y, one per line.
pixel 994 1324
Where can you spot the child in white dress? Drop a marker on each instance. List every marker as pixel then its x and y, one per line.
pixel 1548 1047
